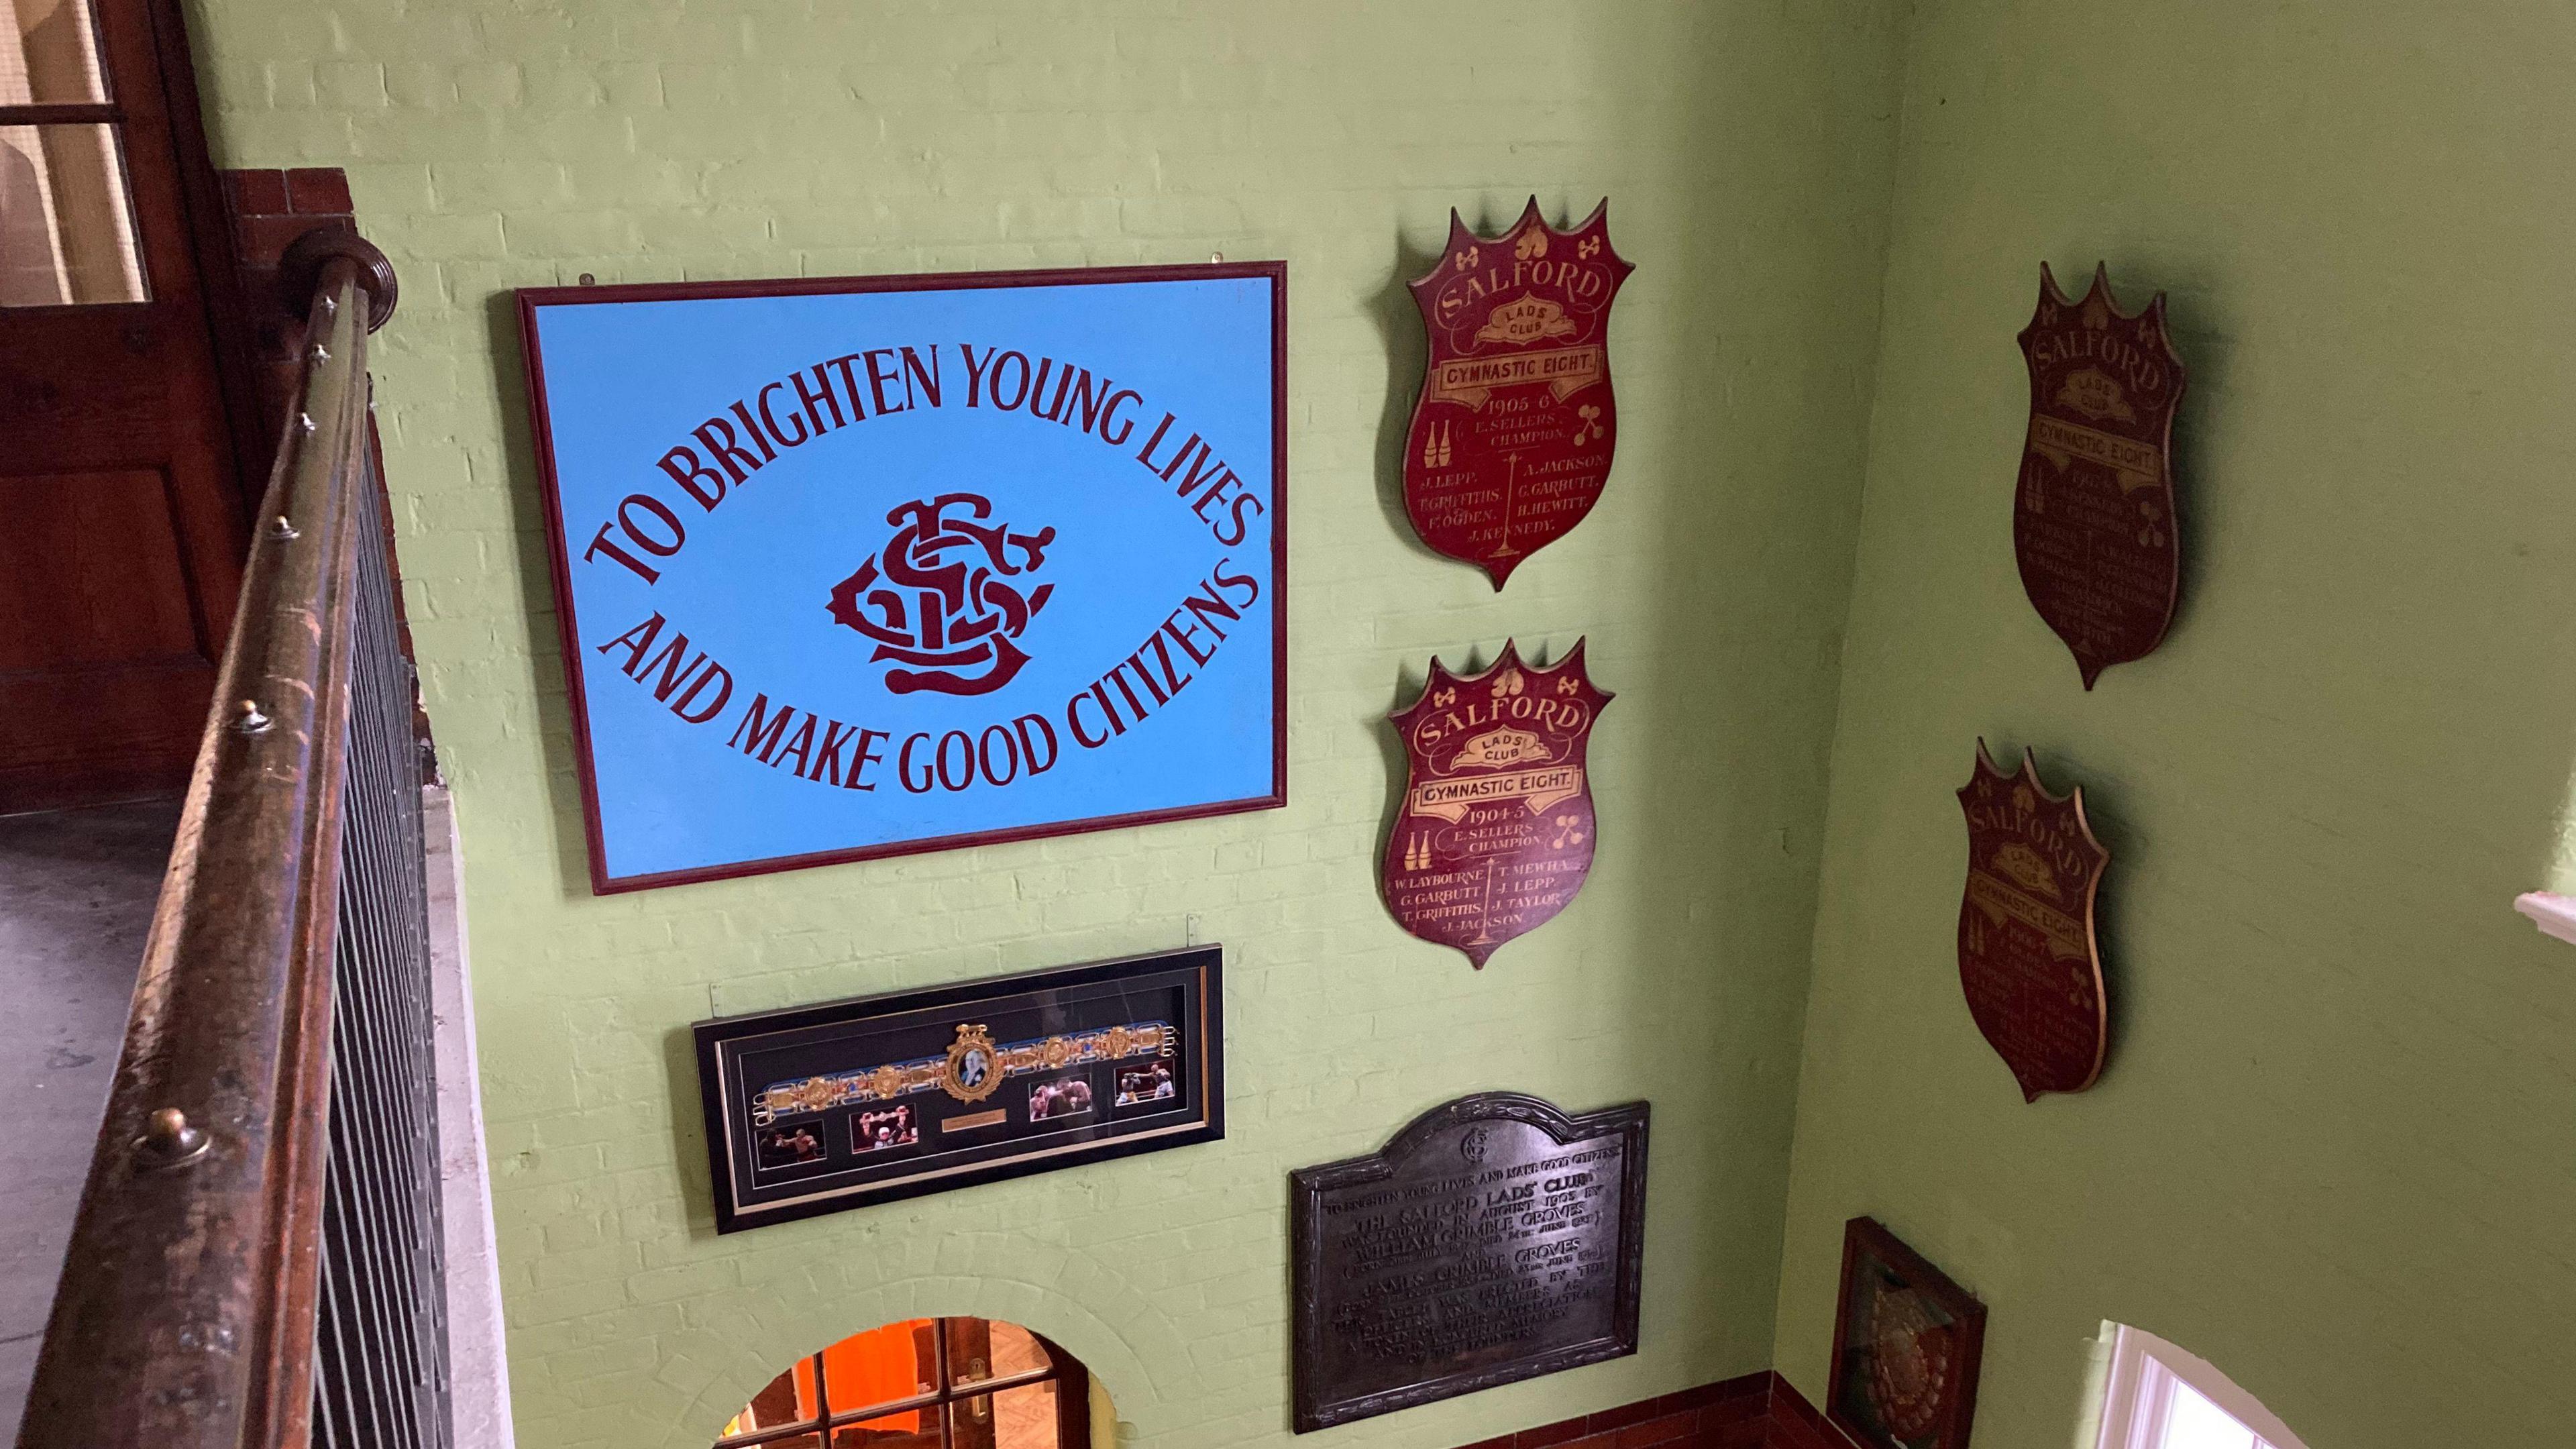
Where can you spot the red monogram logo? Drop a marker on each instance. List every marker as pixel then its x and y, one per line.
pixel 937 596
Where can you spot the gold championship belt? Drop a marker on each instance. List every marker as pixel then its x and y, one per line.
pixel 972 1068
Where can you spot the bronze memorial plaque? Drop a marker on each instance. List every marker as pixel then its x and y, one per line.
pixel 1495 1239
pixel 2027 957
pixel 2093 519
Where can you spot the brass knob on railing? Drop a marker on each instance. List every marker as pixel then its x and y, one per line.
pixel 168 1140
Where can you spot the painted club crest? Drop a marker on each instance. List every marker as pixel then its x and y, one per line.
pixel 1495 832
pixel 1513 431
pixel 2093 517
pixel 2027 955
pixel 947 597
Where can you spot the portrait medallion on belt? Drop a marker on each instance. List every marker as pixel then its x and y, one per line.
pixel 974 1068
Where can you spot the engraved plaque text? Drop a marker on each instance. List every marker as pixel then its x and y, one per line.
pixel 1495 1239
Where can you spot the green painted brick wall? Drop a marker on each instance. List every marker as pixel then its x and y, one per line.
pixel 1746 147
pixel 2334 1150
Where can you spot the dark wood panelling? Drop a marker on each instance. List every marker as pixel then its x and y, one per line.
pixel 96 398
pixel 91 574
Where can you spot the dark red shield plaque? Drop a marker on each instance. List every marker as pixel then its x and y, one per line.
pixel 2026 951
pixel 1495 832
pixel 1512 434
pixel 2093 519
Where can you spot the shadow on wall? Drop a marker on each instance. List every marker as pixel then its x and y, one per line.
pixel 1760 408
pixel 544 640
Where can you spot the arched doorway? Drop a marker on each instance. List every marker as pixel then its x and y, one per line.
pixel 925 1383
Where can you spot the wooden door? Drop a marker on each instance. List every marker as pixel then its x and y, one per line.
pixel 121 528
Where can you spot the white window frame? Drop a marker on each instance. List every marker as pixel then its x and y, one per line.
pixel 2138 1393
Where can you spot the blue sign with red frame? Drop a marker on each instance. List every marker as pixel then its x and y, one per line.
pixel 868 566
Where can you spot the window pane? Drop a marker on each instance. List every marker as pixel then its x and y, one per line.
pixel 1025 1418
pixel 912 1429
pixel 66 234
pixel 2195 1423
pixel 48 53
pixel 981 1349
pixel 1021 1418
pixel 1017 1351
pixel 881 1366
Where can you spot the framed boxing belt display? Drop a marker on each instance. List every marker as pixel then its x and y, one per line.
pixel 814 1109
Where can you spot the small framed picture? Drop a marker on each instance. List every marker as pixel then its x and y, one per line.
pixel 885 1130
pixel 1907 1342
pixel 1064 1097
pixel 1139 1085
pixel 790 1146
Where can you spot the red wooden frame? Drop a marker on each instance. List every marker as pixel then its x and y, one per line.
pixel 558 555
pixel 1958 1410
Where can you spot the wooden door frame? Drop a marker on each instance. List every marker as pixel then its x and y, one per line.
pixel 250 304
pixel 229 315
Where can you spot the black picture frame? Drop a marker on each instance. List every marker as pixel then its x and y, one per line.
pixel 1443 1167
pixel 1004 1077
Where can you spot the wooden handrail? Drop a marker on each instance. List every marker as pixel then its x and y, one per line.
pixel 185 1318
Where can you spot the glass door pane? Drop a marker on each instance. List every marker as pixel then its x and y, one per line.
pixel 1021 1418
pixel 916 1430
pixel 66 224
pixel 1026 1418
pixel 49 54
pixel 882 1366
pixel 980 1349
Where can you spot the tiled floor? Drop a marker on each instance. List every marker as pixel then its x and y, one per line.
pixel 76 892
